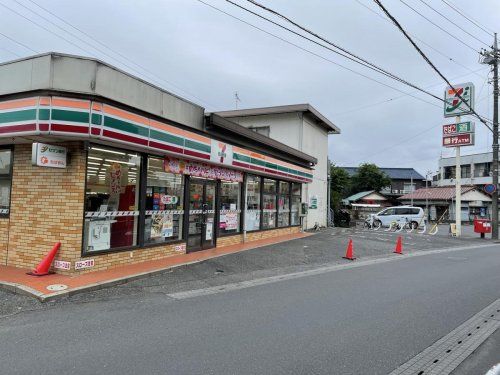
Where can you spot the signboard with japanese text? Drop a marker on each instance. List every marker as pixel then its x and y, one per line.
pixel 44 155
pixel 62 265
pixel 82 264
pixel 460 128
pixel 459 100
pixel 466 139
pixel 195 169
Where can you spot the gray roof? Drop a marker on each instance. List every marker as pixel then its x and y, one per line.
pixel 355 197
pixel 321 120
pixel 393 173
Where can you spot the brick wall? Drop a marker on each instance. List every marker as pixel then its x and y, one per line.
pixel 46 207
pixel 253 236
pixel 4 236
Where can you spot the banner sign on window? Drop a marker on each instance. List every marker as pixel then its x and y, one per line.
pixel 195 169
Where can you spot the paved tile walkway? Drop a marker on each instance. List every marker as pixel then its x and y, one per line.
pixel 17 277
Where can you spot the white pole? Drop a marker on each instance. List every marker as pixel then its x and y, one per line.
pixel 458 190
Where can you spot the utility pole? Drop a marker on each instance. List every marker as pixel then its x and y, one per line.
pixel 491 58
pixel 494 197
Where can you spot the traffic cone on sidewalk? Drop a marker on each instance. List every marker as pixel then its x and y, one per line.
pixel 349 252
pixel 43 267
pixel 399 247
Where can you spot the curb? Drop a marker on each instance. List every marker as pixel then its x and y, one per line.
pixel 42 297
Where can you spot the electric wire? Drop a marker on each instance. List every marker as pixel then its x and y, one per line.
pixel 150 73
pixel 470 19
pixel 19 43
pixel 440 28
pixel 317 55
pixel 453 23
pixel 429 62
pixel 420 40
pixel 351 56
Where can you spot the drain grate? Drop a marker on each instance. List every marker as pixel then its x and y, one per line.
pixel 447 353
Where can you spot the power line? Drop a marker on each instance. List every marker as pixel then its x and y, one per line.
pixel 316 54
pixel 151 74
pixel 351 56
pixel 429 62
pixel 420 40
pixel 19 43
pixel 453 23
pixel 402 96
pixel 439 27
pixel 9 51
pixel 457 10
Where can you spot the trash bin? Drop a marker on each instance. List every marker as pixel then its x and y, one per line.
pixel 482 226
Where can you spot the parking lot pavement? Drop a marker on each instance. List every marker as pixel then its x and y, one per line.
pixel 324 247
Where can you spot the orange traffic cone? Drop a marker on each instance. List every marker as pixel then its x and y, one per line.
pixel 43 267
pixel 349 252
pixel 399 247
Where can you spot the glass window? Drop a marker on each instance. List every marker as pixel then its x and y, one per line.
pixel 164 204
pixel 269 204
pixel 252 193
pixel 230 209
pixel 284 204
pixel 269 186
pixel 111 199
pixel 296 199
pixel 5 180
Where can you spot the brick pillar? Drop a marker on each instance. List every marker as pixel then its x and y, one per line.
pixel 46 207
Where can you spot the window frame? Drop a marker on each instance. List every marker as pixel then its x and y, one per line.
pixel 8 177
pixel 142 185
pixel 276 197
pixel 219 204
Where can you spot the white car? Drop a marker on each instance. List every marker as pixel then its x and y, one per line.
pixel 400 214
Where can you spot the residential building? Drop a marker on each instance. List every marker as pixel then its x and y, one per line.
pixel 440 202
pixel 120 171
pixel 403 180
pixel 364 203
pixel 475 170
pixel 303 128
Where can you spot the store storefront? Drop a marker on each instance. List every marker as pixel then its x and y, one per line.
pixel 119 182
pixel 144 184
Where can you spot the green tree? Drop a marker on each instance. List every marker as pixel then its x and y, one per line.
pixel 340 185
pixel 369 177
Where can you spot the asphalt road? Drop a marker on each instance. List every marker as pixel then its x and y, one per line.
pixel 365 320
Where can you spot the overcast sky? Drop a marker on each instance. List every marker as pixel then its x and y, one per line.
pixel 204 55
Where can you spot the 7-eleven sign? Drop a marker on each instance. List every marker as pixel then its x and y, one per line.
pixel 454 106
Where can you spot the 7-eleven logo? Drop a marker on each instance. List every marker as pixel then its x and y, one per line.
pixel 458 100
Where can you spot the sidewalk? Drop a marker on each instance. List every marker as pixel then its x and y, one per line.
pixel 45 287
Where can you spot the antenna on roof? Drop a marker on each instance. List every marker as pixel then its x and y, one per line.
pixel 236 99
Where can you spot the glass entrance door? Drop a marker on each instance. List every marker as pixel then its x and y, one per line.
pixel 201 229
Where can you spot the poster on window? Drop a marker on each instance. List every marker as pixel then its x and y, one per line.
pixel 168 226
pixel 115 177
pixel 209 229
pixel 156 225
pixel 231 219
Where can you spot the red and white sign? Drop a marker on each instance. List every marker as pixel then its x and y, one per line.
pixel 196 169
pixel 62 265
pixel 180 248
pixel 82 264
pixel 458 140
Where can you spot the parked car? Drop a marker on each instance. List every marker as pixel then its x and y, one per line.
pixel 400 214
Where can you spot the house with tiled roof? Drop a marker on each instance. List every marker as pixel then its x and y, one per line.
pixel 403 180
pixel 441 202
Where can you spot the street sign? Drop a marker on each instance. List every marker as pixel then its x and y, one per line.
pixel 489 188
pixel 460 128
pixel 454 106
pixel 466 139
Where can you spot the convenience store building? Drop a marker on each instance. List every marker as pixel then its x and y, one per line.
pixel 120 171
